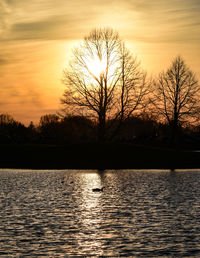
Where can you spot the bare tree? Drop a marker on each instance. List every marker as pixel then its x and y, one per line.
pixel 177 95
pixel 104 80
pixel 6 119
pixel 49 127
pixel 48 119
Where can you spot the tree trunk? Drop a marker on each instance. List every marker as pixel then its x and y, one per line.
pixel 102 129
pixel 175 128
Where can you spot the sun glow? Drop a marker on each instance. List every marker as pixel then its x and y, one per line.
pixel 96 66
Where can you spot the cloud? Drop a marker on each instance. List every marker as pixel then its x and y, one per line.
pixel 54 27
pixel 43 20
pixel 4 12
pixel 62 20
pixel 165 21
pixel 11 94
pixel 3 61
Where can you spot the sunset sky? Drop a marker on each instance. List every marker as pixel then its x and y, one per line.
pixel 36 38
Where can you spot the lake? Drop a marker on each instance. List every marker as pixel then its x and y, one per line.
pixel 137 213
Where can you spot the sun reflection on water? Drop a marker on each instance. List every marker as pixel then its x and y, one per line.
pixel 137 213
pixel 90 213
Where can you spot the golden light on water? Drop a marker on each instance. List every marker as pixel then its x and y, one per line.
pixel 90 211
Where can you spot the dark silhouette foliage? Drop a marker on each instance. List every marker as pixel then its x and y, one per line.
pixel 12 131
pixel 117 111
pixel 48 128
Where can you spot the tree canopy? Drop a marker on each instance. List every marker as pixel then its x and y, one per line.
pixel 104 80
pixel 177 95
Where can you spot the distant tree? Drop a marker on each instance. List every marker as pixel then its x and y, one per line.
pixel 137 128
pixel 104 80
pixel 76 129
pixel 48 119
pixel 31 126
pixel 32 132
pixel 6 119
pixel 11 130
pixel 177 95
pixel 48 127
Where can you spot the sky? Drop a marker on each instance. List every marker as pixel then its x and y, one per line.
pixel 37 38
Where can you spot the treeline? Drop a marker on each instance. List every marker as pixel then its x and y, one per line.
pixel 53 129
pixel 105 80
pixel 118 101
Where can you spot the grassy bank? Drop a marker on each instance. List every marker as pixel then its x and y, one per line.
pixel 94 156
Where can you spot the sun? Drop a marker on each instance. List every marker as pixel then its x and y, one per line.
pixel 96 66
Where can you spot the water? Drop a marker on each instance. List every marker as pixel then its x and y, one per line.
pixel 138 213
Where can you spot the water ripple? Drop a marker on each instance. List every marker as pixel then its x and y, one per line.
pixel 57 213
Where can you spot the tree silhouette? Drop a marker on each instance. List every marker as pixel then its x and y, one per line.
pixel 48 119
pixel 177 95
pixel 104 80
pixel 11 130
pixel 6 119
pixel 48 127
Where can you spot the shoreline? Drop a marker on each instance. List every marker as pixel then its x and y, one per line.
pixel 95 156
pixel 92 170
